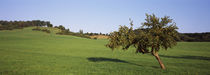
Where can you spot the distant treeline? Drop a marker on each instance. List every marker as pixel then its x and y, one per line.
pixel 65 31
pixel 39 29
pixel 9 25
pixel 90 34
pixel 195 37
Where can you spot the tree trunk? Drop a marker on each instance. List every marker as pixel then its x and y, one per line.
pixel 158 58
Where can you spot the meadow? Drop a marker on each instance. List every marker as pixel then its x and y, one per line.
pixel 23 51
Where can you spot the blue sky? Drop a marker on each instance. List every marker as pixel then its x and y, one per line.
pixel 106 15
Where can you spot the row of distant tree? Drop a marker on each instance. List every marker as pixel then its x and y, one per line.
pixel 190 37
pixel 65 31
pixel 195 37
pixel 9 25
pixel 90 33
pixel 80 33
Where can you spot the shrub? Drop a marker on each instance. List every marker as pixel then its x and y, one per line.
pixel 95 38
pixel 44 30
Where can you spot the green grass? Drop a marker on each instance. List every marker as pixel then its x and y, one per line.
pixel 24 51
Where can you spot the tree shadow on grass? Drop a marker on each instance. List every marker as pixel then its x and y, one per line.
pixel 188 57
pixel 101 59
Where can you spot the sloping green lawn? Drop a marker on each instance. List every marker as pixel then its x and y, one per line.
pixel 23 51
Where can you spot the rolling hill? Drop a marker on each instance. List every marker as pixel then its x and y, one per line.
pixel 23 51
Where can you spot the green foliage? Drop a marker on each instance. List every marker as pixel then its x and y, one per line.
pixel 49 24
pixel 122 38
pixel 195 37
pixel 95 38
pixel 9 25
pixel 44 30
pixel 154 33
pixel 91 34
pixel 67 32
pixel 81 31
pixel 163 32
pixel 61 27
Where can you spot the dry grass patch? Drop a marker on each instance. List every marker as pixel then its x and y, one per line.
pixel 99 36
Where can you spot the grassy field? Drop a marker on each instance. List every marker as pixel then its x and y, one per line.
pixel 24 51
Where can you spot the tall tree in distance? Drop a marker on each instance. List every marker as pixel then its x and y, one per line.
pixel 61 27
pixel 154 34
pixel 80 31
pixel 49 24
